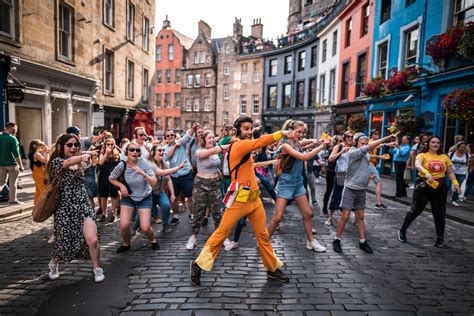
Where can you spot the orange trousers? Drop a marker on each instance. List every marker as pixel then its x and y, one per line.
pixel 38 177
pixel 257 218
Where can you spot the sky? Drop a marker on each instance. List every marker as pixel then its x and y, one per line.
pixel 184 15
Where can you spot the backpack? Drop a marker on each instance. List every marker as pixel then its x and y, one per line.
pixel 226 170
pixel 451 155
pixel 121 178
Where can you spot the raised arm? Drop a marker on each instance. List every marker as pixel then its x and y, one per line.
pixel 307 156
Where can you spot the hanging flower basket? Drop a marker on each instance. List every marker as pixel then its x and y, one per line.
pixel 445 45
pixel 400 81
pixel 375 88
pixel 357 123
pixel 466 44
pixel 407 123
pixel 459 104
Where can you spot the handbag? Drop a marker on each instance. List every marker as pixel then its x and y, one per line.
pixel 47 202
pixel 407 174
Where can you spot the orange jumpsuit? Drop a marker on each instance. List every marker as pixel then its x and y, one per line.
pixel 38 177
pixel 252 209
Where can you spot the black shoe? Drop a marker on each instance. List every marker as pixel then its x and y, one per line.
pixel 278 275
pixel 155 246
pixel 402 236
pixel 336 246
pixel 204 222
pixel 167 229
pixel 191 218
pixel 365 246
pixel 174 221
pixel 102 218
pixel 122 249
pixel 439 242
pixel 195 273
pixel 111 219
pixel 380 206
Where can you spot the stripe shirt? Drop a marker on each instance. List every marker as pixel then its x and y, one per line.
pixel 136 182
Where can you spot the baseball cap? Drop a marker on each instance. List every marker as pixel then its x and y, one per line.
pixel 73 130
pixel 373 131
pixel 359 135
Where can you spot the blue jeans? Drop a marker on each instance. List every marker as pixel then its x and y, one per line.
pixel 470 178
pixel 238 229
pixel 268 186
pixel 460 178
pixel 164 202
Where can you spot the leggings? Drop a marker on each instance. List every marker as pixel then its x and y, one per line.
pixel 238 229
pixel 330 177
pixel 268 186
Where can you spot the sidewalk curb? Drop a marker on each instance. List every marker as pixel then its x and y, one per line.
pixel 427 209
pixel 26 208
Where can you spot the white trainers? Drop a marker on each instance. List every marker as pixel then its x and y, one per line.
pixel 191 243
pixel 315 245
pixel 99 275
pixel 454 203
pixel 231 245
pixel 226 242
pixel 462 199
pixel 53 271
pixel 328 222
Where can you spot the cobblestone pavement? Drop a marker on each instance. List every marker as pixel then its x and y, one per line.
pixel 406 279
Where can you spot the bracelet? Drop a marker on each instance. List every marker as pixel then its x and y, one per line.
pixel 424 171
pixel 455 182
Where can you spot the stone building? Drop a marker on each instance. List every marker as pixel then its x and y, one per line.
pixel 84 63
pixel 303 12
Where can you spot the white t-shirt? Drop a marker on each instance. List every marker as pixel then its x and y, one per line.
pixel 459 163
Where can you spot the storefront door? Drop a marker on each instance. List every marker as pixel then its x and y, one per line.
pixel 29 125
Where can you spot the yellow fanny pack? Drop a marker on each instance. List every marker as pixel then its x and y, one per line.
pixel 245 195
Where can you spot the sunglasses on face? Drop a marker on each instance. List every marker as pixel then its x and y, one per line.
pixel 170 135
pixel 69 145
pixel 159 150
pixel 349 136
pixel 110 145
pixel 141 135
pixel 132 150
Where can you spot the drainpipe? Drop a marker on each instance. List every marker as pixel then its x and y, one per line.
pixel 423 31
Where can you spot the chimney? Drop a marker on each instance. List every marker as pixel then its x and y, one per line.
pixel 256 30
pixel 166 22
pixel 204 29
pixel 238 29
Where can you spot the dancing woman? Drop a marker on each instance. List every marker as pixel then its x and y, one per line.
pixel 38 155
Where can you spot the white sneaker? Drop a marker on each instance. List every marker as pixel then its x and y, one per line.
pixel 328 222
pixel 313 230
pixel 99 275
pixel 226 242
pixel 191 243
pixel 411 186
pixel 317 180
pixel 315 245
pixel 53 271
pixel 231 245
pixel 454 203
pixel 462 199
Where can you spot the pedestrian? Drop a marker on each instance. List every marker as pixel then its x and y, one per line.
pixel 290 184
pixel 401 153
pixel 38 155
pixel 141 139
pixel 247 203
pixel 470 177
pixel 330 171
pixel 108 159
pixel 207 184
pixel 460 160
pixel 75 230
pixel 431 186
pixel 355 187
pixel 10 161
pixel 194 145
pixel 419 143
pixel 374 157
pixel 86 141
pixel 313 171
pixel 136 179
pixel 92 188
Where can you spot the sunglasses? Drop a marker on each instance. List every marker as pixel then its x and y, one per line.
pixel 141 135
pixel 349 136
pixel 69 145
pixel 159 150
pixel 132 150
pixel 110 145
pixel 170 135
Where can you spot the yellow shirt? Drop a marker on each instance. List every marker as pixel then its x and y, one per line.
pixel 435 164
pixel 373 152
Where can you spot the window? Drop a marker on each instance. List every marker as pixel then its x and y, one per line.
pixel 365 20
pixel 273 67
pixel 177 76
pixel 322 89
pixel 145 33
pixel 226 91
pixel 256 72
pixel 159 77
pixel 189 124
pixel 243 104
pixel 159 124
pixel 411 47
pixel 312 92
pixel 225 116
pixel 255 105
pixel 325 50
pixel 410 2
pixel 189 105
pixel 301 60
pixel 272 97
pixel 334 43
pixel 158 100
pixel 189 81
pixel 177 123
pixel 177 100
pixel 167 100
pixel 345 81
pixel 109 7
pixel 109 71
pixel 361 73
pixel 243 72
pixel 207 80
pixel 130 79
pixel 170 52
pixel 308 2
pixel 158 53
pixel 202 59
pixel 314 56
pixel 168 121
pixel 463 12
pixel 131 22
pixel 207 104
pixel 168 76
pixel 288 64
pixel 385 10
pixel 382 59
pixel 227 48
pixel 300 94
pixel 145 86
pixel 197 80
pixel 332 86
pixel 7 23
pixel 286 95
pixel 65 46
pixel 196 105
pixel 348 33
pixel 196 57
pixel 226 69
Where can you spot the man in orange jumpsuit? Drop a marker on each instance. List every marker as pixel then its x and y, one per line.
pixel 253 208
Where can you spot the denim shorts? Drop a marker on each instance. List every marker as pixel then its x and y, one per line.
pixel 374 170
pixel 289 186
pixel 138 205
pixel 183 184
pixel 92 189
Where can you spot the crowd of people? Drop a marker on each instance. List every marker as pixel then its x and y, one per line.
pixel 150 181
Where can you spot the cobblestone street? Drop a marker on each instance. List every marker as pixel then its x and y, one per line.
pixel 412 278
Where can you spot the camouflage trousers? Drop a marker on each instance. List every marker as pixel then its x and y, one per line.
pixel 206 194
